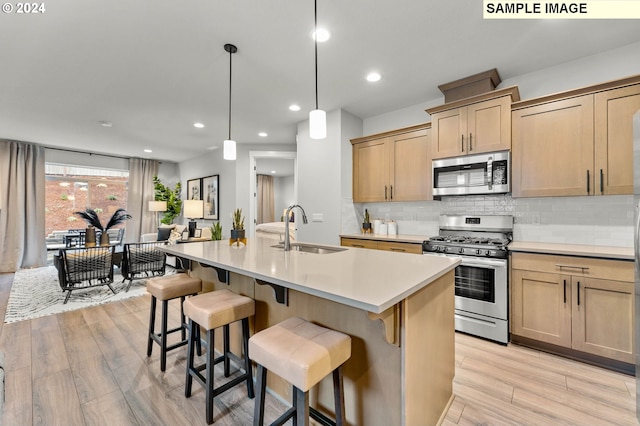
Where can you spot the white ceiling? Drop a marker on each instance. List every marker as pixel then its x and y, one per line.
pixel 282 167
pixel 153 68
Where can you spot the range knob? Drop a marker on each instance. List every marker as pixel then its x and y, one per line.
pixel 478 251
pixel 461 250
pixel 488 252
pixel 445 249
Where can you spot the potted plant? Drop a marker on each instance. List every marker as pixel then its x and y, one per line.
pixel 93 220
pixel 171 196
pixel 237 233
pixel 216 231
pixel 366 222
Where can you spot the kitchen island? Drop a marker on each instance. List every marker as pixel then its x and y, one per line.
pixel 398 309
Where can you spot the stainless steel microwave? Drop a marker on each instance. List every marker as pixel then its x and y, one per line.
pixel 488 173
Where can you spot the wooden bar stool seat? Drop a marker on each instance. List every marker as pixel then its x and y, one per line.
pixel 167 288
pixel 210 311
pixel 302 353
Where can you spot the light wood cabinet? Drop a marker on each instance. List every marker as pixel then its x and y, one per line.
pixel 393 166
pixel 473 125
pixel 575 143
pixel 396 246
pixel 580 303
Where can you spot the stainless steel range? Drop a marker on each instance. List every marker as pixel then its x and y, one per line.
pixel 481 280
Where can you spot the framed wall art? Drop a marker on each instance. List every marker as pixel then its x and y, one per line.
pixel 211 197
pixel 194 189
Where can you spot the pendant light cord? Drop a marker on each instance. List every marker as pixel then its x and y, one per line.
pixel 315 40
pixel 230 55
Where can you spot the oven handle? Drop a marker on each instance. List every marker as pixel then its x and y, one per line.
pixel 484 263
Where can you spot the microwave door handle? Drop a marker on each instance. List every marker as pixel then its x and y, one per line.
pixel 490 173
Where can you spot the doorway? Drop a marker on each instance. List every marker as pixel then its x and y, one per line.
pixel 284 164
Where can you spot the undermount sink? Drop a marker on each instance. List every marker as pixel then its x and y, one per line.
pixel 311 248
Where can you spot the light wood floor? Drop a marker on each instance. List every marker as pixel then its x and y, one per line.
pixel 90 367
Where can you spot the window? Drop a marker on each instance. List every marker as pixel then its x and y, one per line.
pixel 72 188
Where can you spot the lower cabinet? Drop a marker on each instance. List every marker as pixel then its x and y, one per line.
pixel 584 304
pixel 400 247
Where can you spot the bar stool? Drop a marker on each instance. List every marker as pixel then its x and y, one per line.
pixel 166 288
pixel 303 354
pixel 213 310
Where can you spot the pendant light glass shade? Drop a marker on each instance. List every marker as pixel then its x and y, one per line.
pixel 229 150
pixel 317 124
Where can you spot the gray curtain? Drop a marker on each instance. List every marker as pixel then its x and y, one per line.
pixel 265 199
pixel 22 205
pixel 141 191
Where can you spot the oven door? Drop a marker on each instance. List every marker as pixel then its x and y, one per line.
pixel 481 287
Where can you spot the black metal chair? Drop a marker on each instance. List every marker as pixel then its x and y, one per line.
pixel 86 268
pixel 142 258
pixel 75 238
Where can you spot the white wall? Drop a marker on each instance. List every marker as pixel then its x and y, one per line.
pixel 324 176
pixel 284 194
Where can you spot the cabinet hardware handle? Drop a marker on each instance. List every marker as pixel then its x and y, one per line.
pixel 397 249
pixel 588 182
pixel 462 142
pixel 385 192
pixel 578 293
pixel 601 182
pixel 357 245
pixel 565 291
pixel 391 193
pixel 470 142
pixel 582 268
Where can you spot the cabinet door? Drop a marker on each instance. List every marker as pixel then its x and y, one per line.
pixel 541 306
pixel 448 129
pixel 552 149
pixel 603 315
pixel 614 110
pixel 489 126
pixel 371 171
pixel 411 167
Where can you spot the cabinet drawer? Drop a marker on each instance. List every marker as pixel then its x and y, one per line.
pixel 618 270
pixel 356 242
pixel 400 247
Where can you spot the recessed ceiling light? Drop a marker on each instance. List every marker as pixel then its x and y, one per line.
pixel 263 134
pixel 147 150
pixel 273 172
pixel 211 148
pixel 373 77
pixel 198 125
pixel 294 107
pixel 106 123
pixel 321 34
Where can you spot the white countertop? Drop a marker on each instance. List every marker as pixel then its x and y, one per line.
pixel 622 253
pixel 400 238
pixel 372 280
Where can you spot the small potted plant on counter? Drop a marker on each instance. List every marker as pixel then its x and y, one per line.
pixel 237 233
pixel 366 223
pixel 216 231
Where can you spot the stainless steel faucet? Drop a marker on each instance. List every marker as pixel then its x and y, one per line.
pixel 287 242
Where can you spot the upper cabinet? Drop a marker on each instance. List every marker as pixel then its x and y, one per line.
pixel 473 125
pixel 575 143
pixel 393 166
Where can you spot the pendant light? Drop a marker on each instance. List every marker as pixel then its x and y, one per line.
pixel 317 117
pixel 229 149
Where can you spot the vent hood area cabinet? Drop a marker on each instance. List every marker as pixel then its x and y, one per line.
pixel 575 143
pixel 473 125
pixel 393 166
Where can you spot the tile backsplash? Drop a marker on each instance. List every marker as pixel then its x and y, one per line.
pixel 604 220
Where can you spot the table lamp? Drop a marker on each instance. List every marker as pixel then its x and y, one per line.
pixel 193 209
pixel 157 207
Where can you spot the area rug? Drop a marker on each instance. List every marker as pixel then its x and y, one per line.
pixel 36 293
